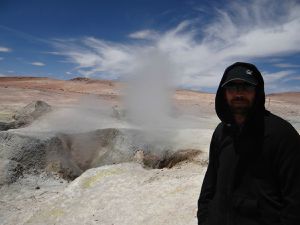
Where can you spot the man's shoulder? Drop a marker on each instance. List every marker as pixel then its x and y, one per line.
pixel 275 124
pixel 219 127
pixel 219 131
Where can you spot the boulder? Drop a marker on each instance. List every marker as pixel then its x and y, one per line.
pixel 26 115
pixel 30 112
pixel 34 155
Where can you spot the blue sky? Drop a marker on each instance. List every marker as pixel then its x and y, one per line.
pixel 106 39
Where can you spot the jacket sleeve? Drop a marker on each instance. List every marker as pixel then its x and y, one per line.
pixel 208 185
pixel 288 164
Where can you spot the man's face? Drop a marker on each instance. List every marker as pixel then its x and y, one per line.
pixel 239 96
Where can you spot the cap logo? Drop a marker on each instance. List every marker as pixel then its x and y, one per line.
pixel 249 72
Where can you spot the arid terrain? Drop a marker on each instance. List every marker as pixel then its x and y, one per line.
pixel 74 155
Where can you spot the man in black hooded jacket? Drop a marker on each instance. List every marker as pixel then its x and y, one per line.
pixel 253 175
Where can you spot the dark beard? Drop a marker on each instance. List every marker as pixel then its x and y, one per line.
pixel 237 109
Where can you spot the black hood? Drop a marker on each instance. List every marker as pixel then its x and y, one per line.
pixel 221 106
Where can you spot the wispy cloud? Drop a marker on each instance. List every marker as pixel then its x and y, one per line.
pixel 93 56
pixel 38 64
pixel 286 65
pixel 240 32
pixel 295 78
pixel 1 58
pixel 271 78
pixel 279 81
pixel 4 49
pixel 17 74
pixel 24 35
pixel 144 34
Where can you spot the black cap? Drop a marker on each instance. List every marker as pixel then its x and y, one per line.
pixel 241 73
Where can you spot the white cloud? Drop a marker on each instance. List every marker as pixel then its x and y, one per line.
pixel 144 34
pixel 286 65
pixel 240 32
pixel 277 82
pixel 274 77
pixel 294 78
pixel 4 49
pixel 93 56
pixel 38 64
pixel 15 74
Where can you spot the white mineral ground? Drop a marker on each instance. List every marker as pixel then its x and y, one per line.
pixel 124 193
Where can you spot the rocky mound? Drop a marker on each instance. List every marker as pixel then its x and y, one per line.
pixel 69 155
pixel 20 155
pixel 26 115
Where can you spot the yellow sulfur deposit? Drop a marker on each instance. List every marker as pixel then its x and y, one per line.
pixel 90 181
